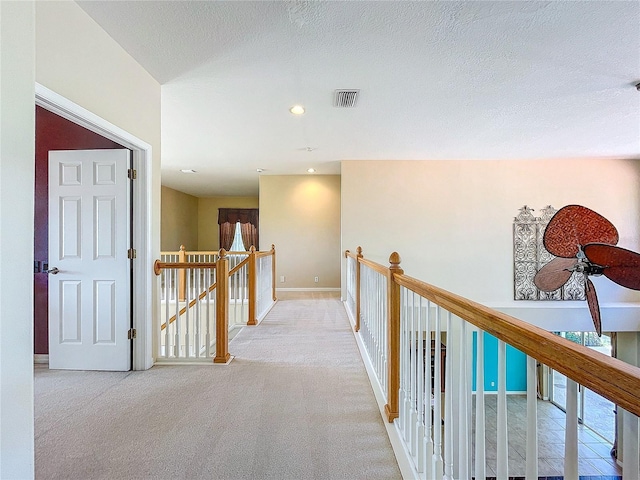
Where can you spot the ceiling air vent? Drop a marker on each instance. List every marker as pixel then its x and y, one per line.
pixel 345 98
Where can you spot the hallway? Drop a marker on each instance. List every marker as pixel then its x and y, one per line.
pixel 295 403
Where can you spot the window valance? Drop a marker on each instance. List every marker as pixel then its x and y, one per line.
pixel 234 215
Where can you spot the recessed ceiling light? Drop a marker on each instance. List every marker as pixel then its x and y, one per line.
pixel 259 170
pixel 311 170
pixel 188 170
pixel 297 109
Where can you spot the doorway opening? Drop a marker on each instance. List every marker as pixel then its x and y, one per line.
pixel 594 411
pixel 143 306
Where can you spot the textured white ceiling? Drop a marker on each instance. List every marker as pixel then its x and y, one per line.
pixel 438 80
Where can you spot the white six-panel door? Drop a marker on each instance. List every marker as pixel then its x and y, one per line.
pixel 89 296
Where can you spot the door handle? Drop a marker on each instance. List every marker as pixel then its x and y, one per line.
pixel 53 271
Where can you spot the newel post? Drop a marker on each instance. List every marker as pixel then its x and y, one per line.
pixel 253 290
pixel 273 272
pixel 358 257
pixel 182 274
pixel 222 308
pixel 392 407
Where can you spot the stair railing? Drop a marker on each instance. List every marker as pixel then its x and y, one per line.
pixel 406 326
pixel 204 296
pixel 265 288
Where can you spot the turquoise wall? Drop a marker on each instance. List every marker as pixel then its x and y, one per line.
pixel 516 366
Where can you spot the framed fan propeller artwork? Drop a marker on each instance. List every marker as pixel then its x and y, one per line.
pixel 583 243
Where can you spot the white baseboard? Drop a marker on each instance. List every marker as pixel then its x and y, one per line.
pixel 327 289
pixel 403 457
pixel 41 358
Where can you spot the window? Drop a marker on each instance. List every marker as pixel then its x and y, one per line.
pixel 238 227
pixel 237 245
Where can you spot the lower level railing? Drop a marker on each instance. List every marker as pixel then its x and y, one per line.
pixel 426 347
pixel 266 281
pixel 208 295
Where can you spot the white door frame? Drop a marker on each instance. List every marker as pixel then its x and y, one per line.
pixel 143 288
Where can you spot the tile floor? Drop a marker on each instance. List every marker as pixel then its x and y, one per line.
pixel 594 459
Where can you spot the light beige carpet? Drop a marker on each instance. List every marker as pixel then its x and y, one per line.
pixel 294 404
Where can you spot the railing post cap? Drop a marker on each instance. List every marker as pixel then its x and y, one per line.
pixel 182 248
pixel 222 253
pixel 394 259
pixel 359 251
pixel 273 247
pixel 252 249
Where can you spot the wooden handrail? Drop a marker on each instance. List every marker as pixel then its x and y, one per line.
pixel 374 266
pixel 612 378
pixel 158 266
pixel 203 252
pixel 239 266
pixel 609 377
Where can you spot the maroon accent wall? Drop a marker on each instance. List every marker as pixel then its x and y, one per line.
pixel 52 133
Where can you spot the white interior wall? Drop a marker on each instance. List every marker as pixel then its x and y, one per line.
pixel 17 153
pixel 60 47
pixel 451 222
pixel 76 59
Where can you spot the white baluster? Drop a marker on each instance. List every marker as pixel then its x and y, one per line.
pixel 469 349
pixel 421 350
pixel 532 420
pixel 373 325
pixel 413 342
pixel 428 441
pixel 438 467
pixel 382 292
pixel 187 329
pixel 382 330
pixel 571 432
pixel 463 408
pixel 167 296
pixel 480 451
pixel 197 318
pixel 502 467
pixel 403 401
pixel 176 345
pixel 630 446
pixel 208 313
pixel 235 291
pixel 448 402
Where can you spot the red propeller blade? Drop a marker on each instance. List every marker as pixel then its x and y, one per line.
pixel 620 265
pixel 554 274
pixel 594 308
pixel 574 226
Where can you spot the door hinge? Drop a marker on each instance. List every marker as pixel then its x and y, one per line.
pixel 131 334
pixel 131 253
pixel 132 173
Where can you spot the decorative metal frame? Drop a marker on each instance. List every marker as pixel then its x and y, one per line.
pixel 529 256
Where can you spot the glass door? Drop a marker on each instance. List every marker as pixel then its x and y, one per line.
pixel 594 411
